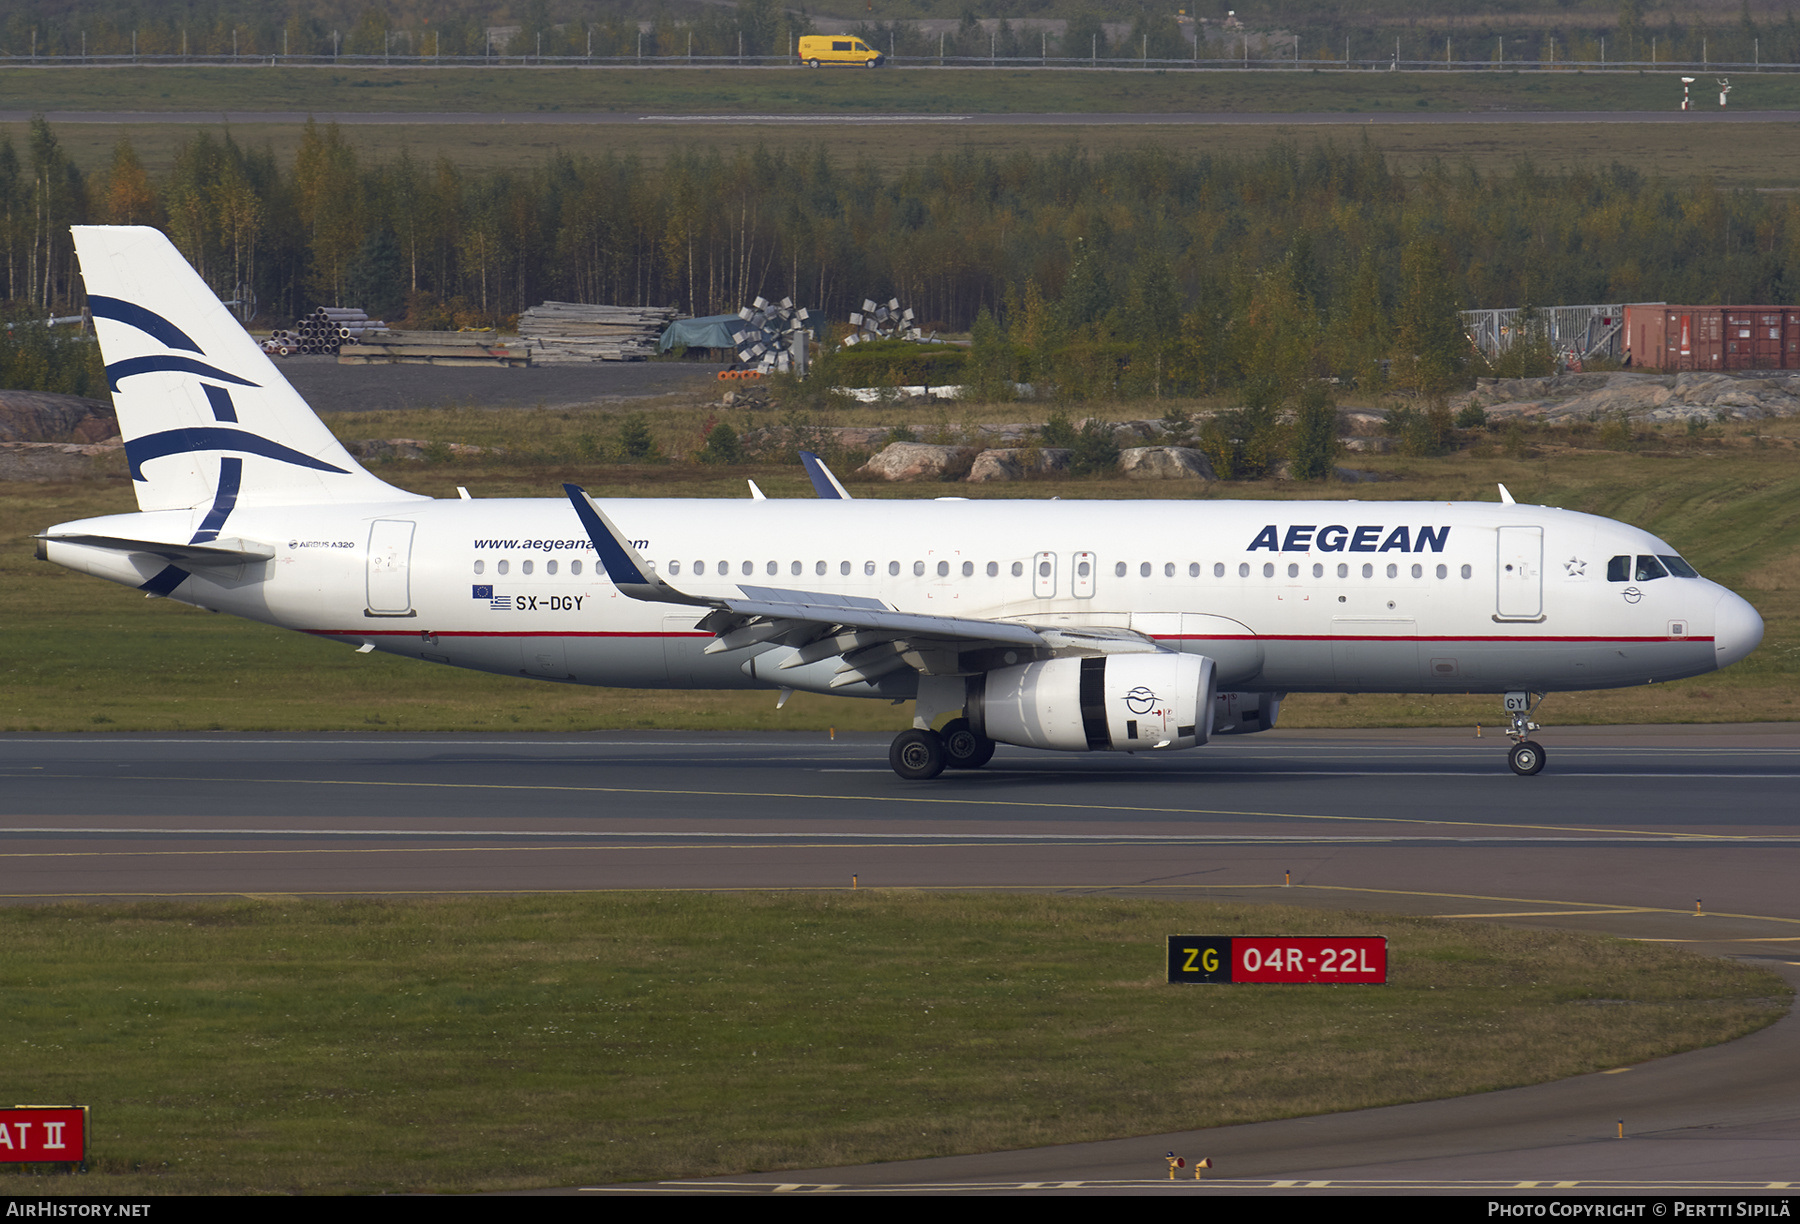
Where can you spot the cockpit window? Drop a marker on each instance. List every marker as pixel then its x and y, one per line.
pixel 1649 569
pixel 1678 567
pixel 1618 569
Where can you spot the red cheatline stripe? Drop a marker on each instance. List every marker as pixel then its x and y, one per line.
pixel 1169 637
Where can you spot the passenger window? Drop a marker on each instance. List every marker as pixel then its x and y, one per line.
pixel 774 568
pixel 749 568
pixel 968 569
pixel 1144 570
pixel 1318 570
pixel 943 569
pixel 1119 570
pixel 1649 569
pixel 574 567
pixel 1293 570
pixel 1168 569
pixel 1393 570
pixel 1618 569
pixel 1194 569
pixel 1468 571
pixel 893 569
pixel 1368 570
pixel 479 566
pixel 1443 571
pixel 1018 570
pixel 1268 569
pixel 868 569
pixel 526 568
pixel 1218 569
pixel 1418 571
pixel 1343 570
pixel 1084 569
pixel 550 567
pixel 1243 569
pixel 796 569
pixel 844 568
pixel 699 568
pixel 1043 569
pixel 993 569
pixel 918 569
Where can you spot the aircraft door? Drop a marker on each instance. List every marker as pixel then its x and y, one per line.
pixel 1519 569
pixel 1043 575
pixel 390 566
pixel 1081 581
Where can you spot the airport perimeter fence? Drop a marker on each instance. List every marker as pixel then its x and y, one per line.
pixel 1095 62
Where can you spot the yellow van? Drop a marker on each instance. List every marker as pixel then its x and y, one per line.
pixel 816 49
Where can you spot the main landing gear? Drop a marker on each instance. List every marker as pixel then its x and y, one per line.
pixel 920 754
pixel 1527 756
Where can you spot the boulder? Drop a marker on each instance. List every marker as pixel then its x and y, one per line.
pixel 1018 463
pixel 45 416
pixel 918 461
pixel 1164 463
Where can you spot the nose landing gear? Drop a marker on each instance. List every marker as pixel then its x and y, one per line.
pixel 1527 756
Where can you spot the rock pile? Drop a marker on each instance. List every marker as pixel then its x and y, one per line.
pixel 1639 397
pixel 45 436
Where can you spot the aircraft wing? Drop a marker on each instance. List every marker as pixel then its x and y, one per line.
pixel 872 637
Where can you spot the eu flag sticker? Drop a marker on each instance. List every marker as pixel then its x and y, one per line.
pixel 484 592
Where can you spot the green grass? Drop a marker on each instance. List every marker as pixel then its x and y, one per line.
pixel 88 655
pixel 283 1046
pixel 677 90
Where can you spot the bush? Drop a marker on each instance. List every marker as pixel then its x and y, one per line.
pixel 1095 452
pixel 1315 434
pixel 636 443
pixel 900 363
pixel 1472 416
pixel 722 445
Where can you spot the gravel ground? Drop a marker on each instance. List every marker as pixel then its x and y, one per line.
pixel 330 387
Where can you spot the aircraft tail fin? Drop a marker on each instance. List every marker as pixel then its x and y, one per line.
pixel 206 416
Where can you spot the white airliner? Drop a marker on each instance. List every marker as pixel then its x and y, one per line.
pixel 1073 625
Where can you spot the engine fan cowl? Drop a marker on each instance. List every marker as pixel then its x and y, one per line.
pixel 1119 703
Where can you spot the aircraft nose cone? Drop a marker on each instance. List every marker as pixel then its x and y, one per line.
pixel 1737 629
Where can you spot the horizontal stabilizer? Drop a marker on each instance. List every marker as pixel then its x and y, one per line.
pixel 218 552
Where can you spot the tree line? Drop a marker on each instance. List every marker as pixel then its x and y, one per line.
pixel 1104 272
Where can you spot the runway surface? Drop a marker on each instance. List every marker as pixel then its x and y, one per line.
pixel 1684 834
pixel 1082 119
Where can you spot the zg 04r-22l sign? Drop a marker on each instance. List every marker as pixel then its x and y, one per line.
pixel 1278 958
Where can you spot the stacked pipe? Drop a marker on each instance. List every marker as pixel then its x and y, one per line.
pixel 561 333
pixel 326 330
pixel 765 342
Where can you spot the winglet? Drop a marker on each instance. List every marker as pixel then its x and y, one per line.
pixel 823 482
pixel 627 569
pixel 1506 497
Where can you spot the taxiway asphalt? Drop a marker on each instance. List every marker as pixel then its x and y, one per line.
pixel 1682 834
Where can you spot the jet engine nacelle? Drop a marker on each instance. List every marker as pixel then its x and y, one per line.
pixel 1244 713
pixel 1121 702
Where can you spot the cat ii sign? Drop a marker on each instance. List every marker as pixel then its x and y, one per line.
pixel 43 1133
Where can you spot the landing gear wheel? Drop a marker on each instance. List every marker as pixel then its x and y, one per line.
pixel 963 749
pixel 1526 758
pixel 917 755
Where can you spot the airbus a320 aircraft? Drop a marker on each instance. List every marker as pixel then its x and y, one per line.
pixel 1082 626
